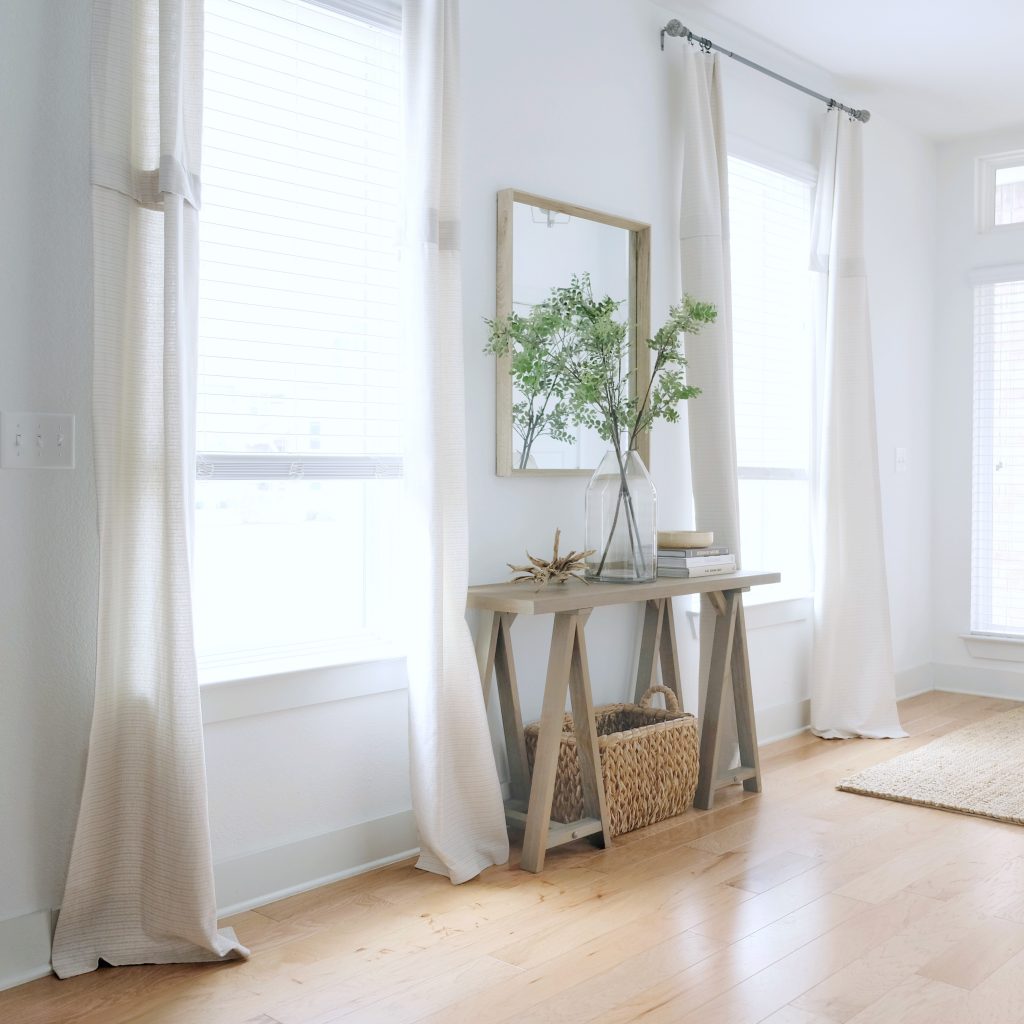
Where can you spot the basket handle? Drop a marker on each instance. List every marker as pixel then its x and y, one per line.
pixel 671 700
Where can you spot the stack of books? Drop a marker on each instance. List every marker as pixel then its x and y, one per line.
pixel 693 562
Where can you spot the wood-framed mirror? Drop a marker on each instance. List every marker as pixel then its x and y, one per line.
pixel 541 244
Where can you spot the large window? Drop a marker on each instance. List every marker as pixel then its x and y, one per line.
pixel 299 408
pixel 773 367
pixel 997 577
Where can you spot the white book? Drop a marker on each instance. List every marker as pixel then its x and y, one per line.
pixel 698 571
pixel 693 561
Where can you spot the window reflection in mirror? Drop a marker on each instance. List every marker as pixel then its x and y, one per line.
pixel 542 245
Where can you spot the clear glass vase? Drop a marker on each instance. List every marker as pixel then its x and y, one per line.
pixel 622 521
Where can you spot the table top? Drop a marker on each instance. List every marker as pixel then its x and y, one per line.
pixel 526 599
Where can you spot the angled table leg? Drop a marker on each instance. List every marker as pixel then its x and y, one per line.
pixel 511 715
pixel 670 674
pixel 728 659
pixel 545 764
pixel 650 646
pixel 486 648
pixel 658 644
pixel 495 658
pixel 743 696
pixel 721 658
pixel 594 803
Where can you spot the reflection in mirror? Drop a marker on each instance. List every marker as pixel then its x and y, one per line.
pixel 543 245
pixel 548 249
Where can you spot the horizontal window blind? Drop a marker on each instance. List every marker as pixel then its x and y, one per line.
pixel 770 223
pixel 997 577
pixel 298 300
pixel 773 361
pixel 299 417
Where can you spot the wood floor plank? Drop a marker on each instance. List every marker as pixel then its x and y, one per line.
pixel 793 1015
pixel 768 874
pixel 582 966
pixel 977 953
pixel 916 1001
pixel 794 968
pixel 886 966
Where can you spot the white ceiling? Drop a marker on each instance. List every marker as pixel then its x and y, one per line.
pixel 946 67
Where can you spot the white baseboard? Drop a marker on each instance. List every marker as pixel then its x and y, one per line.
pixel 260 878
pixel 242 883
pixel 979 680
pixel 914 681
pixel 785 720
pixel 25 948
pixel 782 721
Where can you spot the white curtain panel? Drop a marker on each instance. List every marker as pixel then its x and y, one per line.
pixel 704 250
pixel 853 689
pixel 456 794
pixel 140 884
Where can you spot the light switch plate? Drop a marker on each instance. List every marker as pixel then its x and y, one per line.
pixel 37 440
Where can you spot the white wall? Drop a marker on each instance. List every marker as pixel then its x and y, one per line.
pixel 572 100
pixel 900 240
pixel 961 249
pixel 48 553
pixel 48 550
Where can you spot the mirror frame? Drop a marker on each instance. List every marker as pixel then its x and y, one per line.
pixel 639 300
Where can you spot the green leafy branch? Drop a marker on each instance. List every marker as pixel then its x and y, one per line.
pixel 570 363
pixel 534 344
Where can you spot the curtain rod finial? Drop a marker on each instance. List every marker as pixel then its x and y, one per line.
pixel 864 116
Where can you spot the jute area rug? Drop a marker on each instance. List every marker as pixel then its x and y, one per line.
pixel 978 769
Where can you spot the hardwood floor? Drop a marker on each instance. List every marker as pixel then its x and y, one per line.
pixel 799 906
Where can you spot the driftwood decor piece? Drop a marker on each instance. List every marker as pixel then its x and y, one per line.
pixel 557 569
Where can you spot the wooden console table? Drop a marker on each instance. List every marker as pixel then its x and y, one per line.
pixel 529 807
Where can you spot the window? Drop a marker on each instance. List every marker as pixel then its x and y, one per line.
pixel 1009 197
pixel 1000 189
pixel 299 412
pixel 773 368
pixel 997 569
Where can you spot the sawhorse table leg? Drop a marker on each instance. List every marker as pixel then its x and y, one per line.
pixel 568 672
pixel 496 659
pixel 658 643
pixel 729 658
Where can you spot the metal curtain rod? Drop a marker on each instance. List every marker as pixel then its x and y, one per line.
pixel 677 28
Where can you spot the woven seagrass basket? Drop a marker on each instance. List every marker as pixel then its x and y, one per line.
pixel 649 762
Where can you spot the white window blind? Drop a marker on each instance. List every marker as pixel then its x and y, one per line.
pixel 1009 195
pixel 299 273
pixel 997 578
pixel 773 368
pixel 299 419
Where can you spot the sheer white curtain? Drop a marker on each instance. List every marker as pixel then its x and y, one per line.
pixel 456 793
pixel 140 884
pixel 853 689
pixel 704 250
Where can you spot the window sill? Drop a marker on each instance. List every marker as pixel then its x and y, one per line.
pixel 996 648
pixel 264 693
pixel 354 650
pixel 768 613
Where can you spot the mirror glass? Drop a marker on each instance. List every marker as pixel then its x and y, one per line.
pixel 542 245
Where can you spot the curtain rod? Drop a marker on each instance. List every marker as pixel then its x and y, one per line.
pixel 677 28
